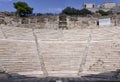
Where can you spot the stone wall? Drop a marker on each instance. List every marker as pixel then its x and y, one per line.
pixel 53 22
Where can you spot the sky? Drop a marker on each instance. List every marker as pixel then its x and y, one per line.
pixel 50 6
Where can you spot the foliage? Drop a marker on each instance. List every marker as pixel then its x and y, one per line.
pixel 49 14
pixel 22 8
pixel 39 14
pixel 73 11
pixel 85 12
pixel 103 13
pixel 70 11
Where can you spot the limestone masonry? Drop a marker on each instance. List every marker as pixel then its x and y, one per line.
pixel 56 22
pixel 44 52
pixel 59 46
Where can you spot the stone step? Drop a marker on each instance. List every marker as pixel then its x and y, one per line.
pixel 64 79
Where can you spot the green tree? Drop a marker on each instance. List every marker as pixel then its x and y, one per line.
pixel 22 8
pixel 103 13
pixel 85 12
pixel 73 11
pixel 70 11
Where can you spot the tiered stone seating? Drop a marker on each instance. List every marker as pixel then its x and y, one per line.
pixel 103 57
pixel 104 52
pixel 102 34
pixel 62 35
pixel 1 34
pixel 48 35
pixel 63 51
pixel 18 33
pixel 62 58
pixel 76 35
pixel 19 57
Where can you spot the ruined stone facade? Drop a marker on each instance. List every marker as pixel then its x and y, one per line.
pixel 108 5
pixel 88 5
pixel 53 22
pixel 105 6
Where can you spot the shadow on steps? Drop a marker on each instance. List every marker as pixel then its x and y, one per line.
pixel 113 76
